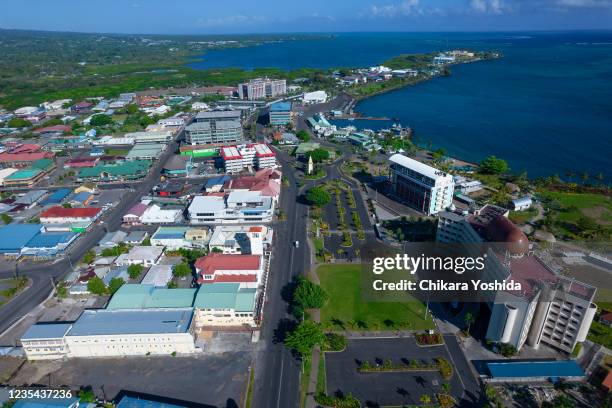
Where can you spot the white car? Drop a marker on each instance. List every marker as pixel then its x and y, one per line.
pixel 296 244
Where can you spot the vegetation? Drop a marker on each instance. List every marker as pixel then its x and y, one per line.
pixel 89 257
pixel 101 120
pixel 600 334
pixel 335 342
pixel 96 286
pixel 507 350
pixel 181 270
pixel 318 196
pixel 344 401
pixel 86 395
pixel 135 270
pixel 439 364
pixel 121 248
pixel 114 285
pixel 493 165
pixel 426 339
pixel 6 219
pixel 307 295
pixel 305 337
pixel 303 135
pixel 346 308
pixel 319 155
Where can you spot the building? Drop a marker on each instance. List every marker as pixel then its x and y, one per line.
pixel 114 333
pixel 549 309
pixel 136 237
pixel 180 237
pixel 146 151
pixel 155 214
pixel 48 245
pixel 14 237
pixel 420 186
pixel 253 240
pixel 103 171
pixel 247 157
pixel 234 208
pixel 320 125
pixel 61 215
pixel 266 181
pixel 140 255
pixel 521 204
pixel 112 239
pixel 261 88
pixel 233 268
pixel 27 177
pixel 133 215
pixel 225 304
pixel 215 127
pixel 4 173
pixel 158 276
pixel 280 114
pixel 314 97
pixel 22 157
pixel 161 136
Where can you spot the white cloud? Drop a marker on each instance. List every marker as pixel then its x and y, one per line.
pixel 489 6
pixel 585 3
pixel 405 8
pixel 229 20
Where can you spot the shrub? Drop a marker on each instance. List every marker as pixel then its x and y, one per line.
pixel 335 342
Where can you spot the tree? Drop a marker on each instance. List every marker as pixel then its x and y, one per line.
pixel 18 123
pixel 469 319
pixel 319 155
pixel 181 270
pixel 217 250
pixel 303 339
pixel 425 399
pixel 89 256
pixel 146 242
pixel 493 165
pixel 96 286
pixel 131 109
pixel 303 135
pixel 134 271
pixel 586 224
pixel 6 218
pixel 86 395
pixel 309 295
pixel 318 196
pixel 114 285
pixel 101 120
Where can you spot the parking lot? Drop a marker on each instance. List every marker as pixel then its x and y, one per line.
pixel 389 388
pixel 212 379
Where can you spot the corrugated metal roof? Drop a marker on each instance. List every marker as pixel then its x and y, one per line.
pixel 46 331
pixel 527 369
pixel 148 321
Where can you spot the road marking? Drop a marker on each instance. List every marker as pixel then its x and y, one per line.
pixel 280 380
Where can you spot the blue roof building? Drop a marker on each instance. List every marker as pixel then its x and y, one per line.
pixel 47 331
pixel 280 113
pixel 14 237
pixel 57 196
pixel 47 403
pixel 133 402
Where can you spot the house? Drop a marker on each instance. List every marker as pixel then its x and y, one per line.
pixel 233 268
pixel 180 237
pixel 253 240
pixel 133 215
pixel 606 318
pixel 61 215
pixel 158 276
pixel 53 130
pixel 136 237
pixel 141 255
pixel 81 199
pixel 215 184
pixel 521 204
pixel 154 214
pixel 31 197
pixel 112 239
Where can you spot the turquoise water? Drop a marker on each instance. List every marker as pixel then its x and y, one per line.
pixel 546 107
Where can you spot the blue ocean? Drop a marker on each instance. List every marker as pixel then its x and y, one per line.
pixel 545 107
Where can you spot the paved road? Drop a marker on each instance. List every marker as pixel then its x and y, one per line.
pixel 277 374
pixel 42 275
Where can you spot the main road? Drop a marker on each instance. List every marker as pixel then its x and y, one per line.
pixel 42 276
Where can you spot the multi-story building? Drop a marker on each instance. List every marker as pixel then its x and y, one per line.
pixel 420 186
pixel 222 127
pixel 233 268
pixel 113 333
pixel 280 113
pixel 238 158
pixel 549 308
pixel 234 208
pixel 253 240
pixel 262 88
pixel 225 304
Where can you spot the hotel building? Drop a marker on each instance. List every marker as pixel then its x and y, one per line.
pixel 420 186
pixel 215 127
pixel 261 88
pixel 550 308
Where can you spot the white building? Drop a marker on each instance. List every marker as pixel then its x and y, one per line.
pixel 158 276
pixel 314 97
pixel 173 237
pixel 141 255
pixel 242 239
pixel 246 270
pixel 420 186
pixel 237 207
pixel 225 304
pixel 244 157
pixel 521 204
pixel 61 215
pixel 154 214
pixel 114 333
pixel 162 136
pixel 261 88
pixel 114 141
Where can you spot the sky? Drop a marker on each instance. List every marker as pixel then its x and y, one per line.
pixel 270 16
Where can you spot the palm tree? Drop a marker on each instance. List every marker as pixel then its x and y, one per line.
pixel 425 399
pixel 469 319
pixel 446 387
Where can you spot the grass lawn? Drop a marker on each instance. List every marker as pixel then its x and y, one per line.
pixel 600 334
pixel 116 152
pixel 345 306
pixel 304 380
pixel 321 377
pixel 576 205
pixel 521 217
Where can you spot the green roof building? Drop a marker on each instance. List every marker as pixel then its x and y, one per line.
pixel 131 170
pixel 137 296
pixel 225 296
pixel 43 165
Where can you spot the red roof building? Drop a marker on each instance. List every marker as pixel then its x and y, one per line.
pixel 217 267
pixel 61 215
pixel 53 129
pixel 11 159
pixel 81 162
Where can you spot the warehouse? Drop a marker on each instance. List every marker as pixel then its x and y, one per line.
pixel 109 333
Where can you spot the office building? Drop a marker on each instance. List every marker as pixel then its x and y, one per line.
pixel 262 88
pixel 420 186
pixel 247 157
pixel 222 127
pixel 280 114
pixel 237 207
